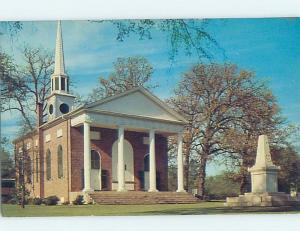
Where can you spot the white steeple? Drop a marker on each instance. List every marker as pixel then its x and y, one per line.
pixel 59 52
pixel 59 79
pixel 60 101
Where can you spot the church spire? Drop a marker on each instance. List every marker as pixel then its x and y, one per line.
pixel 59 79
pixel 59 52
pixel 60 100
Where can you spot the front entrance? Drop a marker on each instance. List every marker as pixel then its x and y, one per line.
pixel 129 166
pixel 95 170
pixel 146 172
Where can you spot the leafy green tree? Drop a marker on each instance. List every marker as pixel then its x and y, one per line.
pixel 289 161
pixel 221 186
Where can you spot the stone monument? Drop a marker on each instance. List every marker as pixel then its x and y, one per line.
pixel 264 183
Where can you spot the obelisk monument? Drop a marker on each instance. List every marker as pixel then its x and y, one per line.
pixel 264 182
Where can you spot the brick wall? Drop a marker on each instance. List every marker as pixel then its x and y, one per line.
pixel 57 186
pixel 104 147
pixel 71 140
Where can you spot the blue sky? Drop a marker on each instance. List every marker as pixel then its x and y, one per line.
pixel 270 47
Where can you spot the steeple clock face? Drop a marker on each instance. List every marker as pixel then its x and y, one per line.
pixel 64 108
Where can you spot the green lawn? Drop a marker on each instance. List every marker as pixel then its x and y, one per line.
pixel 109 210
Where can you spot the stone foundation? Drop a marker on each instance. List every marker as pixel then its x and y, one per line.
pixel 262 199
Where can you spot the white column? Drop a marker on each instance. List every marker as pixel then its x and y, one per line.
pixel 87 157
pixel 152 167
pixel 180 187
pixel 121 167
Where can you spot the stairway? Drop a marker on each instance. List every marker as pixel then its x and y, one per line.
pixel 138 197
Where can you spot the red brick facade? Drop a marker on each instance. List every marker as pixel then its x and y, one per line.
pixel 104 147
pixel 71 140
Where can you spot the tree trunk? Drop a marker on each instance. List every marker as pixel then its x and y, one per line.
pixel 23 197
pixel 243 182
pixel 187 169
pixel 244 172
pixel 201 176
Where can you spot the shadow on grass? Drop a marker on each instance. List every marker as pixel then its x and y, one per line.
pixel 201 208
pixel 224 210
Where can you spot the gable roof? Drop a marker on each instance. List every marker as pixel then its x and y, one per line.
pixel 137 102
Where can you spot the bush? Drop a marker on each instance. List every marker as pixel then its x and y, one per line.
pixel 12 201
pixel 29 201
pixel 37 201
pixel 51 200
pixel 79 200
pixel 66 203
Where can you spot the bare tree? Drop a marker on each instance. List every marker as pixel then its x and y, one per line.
pixel 23 173
pixel 214 98
pixel 183 35
pixel 260 116
pixel 128 73
pixel 26 86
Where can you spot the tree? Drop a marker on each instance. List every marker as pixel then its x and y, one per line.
pixel 221 186
pixel 24 87
pixel 185 104
pixel 23 174
pixel 289 161
pixel 261 115
pixel 10 28
pixel 7 163
pixel 214 98
pixel 187 35
pixel 128 73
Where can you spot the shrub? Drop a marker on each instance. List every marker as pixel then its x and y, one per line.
pixel 12 201
pixel 79 200
pixel 51 200
pixel 29 201
pixel 66 203
pixel 37 201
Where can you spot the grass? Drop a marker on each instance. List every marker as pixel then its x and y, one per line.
pixel 132 210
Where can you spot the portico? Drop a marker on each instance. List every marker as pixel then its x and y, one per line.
pixel 163 123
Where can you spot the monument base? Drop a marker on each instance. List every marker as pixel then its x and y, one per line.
pixel 262 199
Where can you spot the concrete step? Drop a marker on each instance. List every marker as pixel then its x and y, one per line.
pixel 137 197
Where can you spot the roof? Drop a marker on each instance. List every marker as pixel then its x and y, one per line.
pixel 103 103
pixel 115 104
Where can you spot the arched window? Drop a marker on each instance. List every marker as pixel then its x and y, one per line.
pixel 95 160
pixel 48 165
pixel 60 172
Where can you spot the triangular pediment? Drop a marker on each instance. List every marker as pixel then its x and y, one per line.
pixel 137 102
